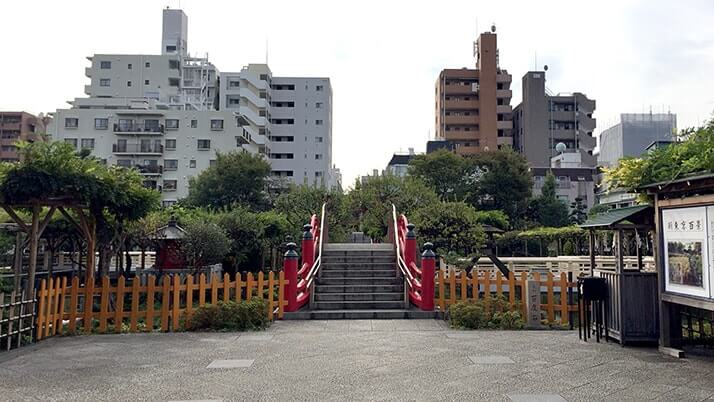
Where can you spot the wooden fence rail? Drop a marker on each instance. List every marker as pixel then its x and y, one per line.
pixel 17 320
pixel 68 307
pixel 558 294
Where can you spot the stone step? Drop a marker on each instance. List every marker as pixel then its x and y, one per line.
pixel 358 254
pixel 362 314
pixel 357 280
pixel 361 260
pixel 358 305
pixel 358 265
pixel 358 247
pixel 359 288
pixel 351 273
pixel 359 297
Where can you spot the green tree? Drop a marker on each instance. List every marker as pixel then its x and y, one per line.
pixel 598 209
pixel 244 233
pixel 692 155
pixel 453 227
pixel 300 202
pixel 443 171
pixel 237 178
pixel 496 219
pixel 369 204
pixel 578 211
pixel 501 181
pixel 204 244
pixel 547 209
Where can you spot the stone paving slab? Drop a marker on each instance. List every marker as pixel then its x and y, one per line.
pixel 349 360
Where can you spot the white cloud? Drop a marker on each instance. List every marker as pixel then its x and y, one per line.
pixel 383 57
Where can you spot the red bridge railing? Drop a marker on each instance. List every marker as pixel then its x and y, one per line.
pixel 418 280
pixel 300 281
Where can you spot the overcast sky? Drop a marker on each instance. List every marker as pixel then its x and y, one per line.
pixel 383 57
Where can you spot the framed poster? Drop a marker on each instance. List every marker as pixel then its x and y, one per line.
pixel 686 250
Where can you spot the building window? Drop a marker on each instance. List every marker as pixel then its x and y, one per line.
pixel 128 83
pixel 125 163
pixel 72 142
pixel 318 105
pixel 282 173
pixel 128 66
pixel 212 163
pixel 71 122
pixel 172 124
pixel 318 174
pixel 233 100
pixel 194 123
pixel 318 139
pixel 101 124
pixel 170 164
pixel 104 82
pixel 318 122
pixel 282 121
pixel 87 143
pixel 319 88
pixel 174 64
pixel 233 84
pixel 170 48
pixel 263 77
pixel 147 64
pixel 146 82
pixel 105 65
pixel 174 82
pixel 217 124
pixel 192 163
pixel 170 145
pixel 204 145
pixel 318 157
pixel 170 185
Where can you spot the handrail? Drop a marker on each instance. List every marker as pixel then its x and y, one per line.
pixel 400 260
pixel 318 259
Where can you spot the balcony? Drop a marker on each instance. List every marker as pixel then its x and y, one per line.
pixel 137 128
pixel 586 142
pixel 502 77
pixel 461 104
pixel 150 170
pixel 504 124
pixel 460 90
pixel 504 109
pixel 504 93
pixel 244 137
pixel 462 120
pixel 88 72
pixel 462 135
pixel 88 90
pixel 138 149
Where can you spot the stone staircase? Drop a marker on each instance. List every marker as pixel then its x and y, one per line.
pixel 359 281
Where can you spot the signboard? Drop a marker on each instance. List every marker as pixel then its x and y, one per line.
pixel 533 300
pixel 688 244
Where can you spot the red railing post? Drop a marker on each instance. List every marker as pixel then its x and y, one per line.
pixel 428 263
pixel 308 246
pixel 290 267
pixel 410 248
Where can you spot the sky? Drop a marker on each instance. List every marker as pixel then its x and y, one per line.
pixel 383 57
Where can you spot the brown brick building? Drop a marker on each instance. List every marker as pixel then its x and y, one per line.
pixel 15 126
pixel 473 106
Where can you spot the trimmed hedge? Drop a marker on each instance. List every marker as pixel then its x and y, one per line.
pixel 229 316
pixel 474 315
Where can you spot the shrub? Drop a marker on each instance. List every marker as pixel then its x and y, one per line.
pixel 229 316
pixel 473 314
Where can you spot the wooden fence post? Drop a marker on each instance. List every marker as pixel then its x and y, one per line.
pixel 165 302
pixel 73 303
pixel 176 305
pixel 119 305
pixel 150 291
pixel 88 303
pixel 40 309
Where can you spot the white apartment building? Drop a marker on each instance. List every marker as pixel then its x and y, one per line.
pixel 168 115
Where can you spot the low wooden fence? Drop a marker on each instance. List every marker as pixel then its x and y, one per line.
pixel 558 293
pixel 556 265
pixel 17 320
pixel 68 307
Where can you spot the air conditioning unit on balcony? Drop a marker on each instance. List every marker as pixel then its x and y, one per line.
pixel 474 87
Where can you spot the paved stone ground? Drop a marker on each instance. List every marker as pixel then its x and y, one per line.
pixel 350 360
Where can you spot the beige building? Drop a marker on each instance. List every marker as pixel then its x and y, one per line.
pixel 19 126
pixel 473 106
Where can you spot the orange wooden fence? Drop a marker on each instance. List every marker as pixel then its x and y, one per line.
pixel 455 286
pixel 150 306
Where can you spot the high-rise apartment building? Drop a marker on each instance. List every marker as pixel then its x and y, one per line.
pixel 633 134
pixel 19 126
pixel 169 114
pixel 473 106
pixel 543 119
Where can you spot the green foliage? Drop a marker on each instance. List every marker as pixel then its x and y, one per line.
pixel 229 316
pixel 369 204
pixel 692 155
pixel 5 286
pixel 578 212
pixel 300 202
pixel 473 314
pixel 568 248
pixel 502 181
pixel 237 178
pixel 204 244
pixel 443 171
pixel 598 209
pixel 494 218
pixel 551 234
pixel 547 209
pixel 451 226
